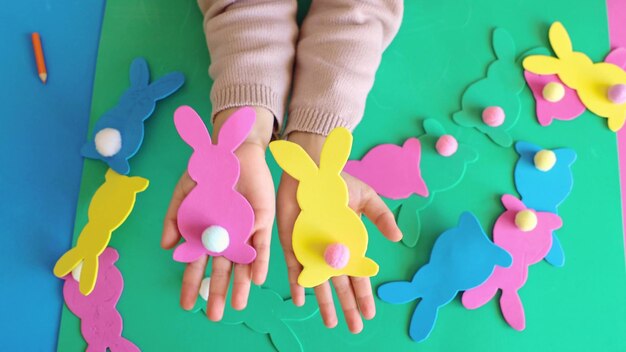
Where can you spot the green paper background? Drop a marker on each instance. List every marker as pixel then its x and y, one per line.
pixel 442 46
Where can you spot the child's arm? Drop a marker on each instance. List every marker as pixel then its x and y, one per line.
pixel 252 48
pixel 340 47
pixel 339 50
pixel 251 44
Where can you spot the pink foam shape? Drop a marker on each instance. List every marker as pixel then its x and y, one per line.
pixel 214 200
pixel 392 171
pixel 568 108
pixel 100 322
pixel 616 10
pixel 526 248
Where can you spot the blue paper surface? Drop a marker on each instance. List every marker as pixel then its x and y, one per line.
pixel 42 128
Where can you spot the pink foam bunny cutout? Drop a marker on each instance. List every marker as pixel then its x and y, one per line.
pixel 392 171
pixel 526 248
pixel 214 219
pixel 617 57
pixel 101 323
pixel 568 108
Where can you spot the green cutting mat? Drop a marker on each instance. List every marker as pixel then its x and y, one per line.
pixel 441 47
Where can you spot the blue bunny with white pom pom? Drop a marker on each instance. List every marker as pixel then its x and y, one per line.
pixel 118 134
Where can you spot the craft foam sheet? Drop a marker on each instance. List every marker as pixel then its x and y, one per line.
pixel 413 83
pixel 42 127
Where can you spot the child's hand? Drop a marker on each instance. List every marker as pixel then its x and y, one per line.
pixel 256 185
pixel 355 294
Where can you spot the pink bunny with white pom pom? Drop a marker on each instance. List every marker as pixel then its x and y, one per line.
pixel 214 219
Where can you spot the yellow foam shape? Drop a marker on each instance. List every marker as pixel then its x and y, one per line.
pixel 590 80
pixel 109 208
pixel 325 216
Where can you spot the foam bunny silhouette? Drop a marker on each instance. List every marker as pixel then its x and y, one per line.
pixel 266 313
pixel 109 208
pixel 545 190
pixel 325 221
pixel 100 322
pixel 500 88
pixel 392 171
pixel 440 173
pixel 617 57
pixel 590 80
pixel 214 219
pixel 118 134
pixel 567 108
pixel 462 257
pixel 526 248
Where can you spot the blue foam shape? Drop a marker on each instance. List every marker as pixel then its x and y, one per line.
pixel 42 130
pixel 134 107
pixel 545 190
pixel 462 258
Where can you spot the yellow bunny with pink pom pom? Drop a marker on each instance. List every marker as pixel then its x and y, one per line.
pixel 329 239
pixel 591 81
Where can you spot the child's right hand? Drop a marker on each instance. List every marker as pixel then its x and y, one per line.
pixel 256 185
pixel 355 293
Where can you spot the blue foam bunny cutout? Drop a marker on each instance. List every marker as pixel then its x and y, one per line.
pixel 124 122
pixel 545 190
pixel 462 258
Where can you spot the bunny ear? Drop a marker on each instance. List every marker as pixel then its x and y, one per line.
pixel 567 155
pixel 468 221
pixel 522 147
pixel 236 128
pixel 503 45
pixel 293 159
pixel 559 39
pixel 139 73
pixel 166 85
pixel 541 64
pixel 512 203
pixel 336 150
pixel 110 174
pixel 433 127
pixel 191 128
pixel 398 292
pixel 139 183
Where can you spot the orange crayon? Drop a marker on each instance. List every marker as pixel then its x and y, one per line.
pixel 41 64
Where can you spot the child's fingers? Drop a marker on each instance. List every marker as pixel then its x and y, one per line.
pixel 241 286
pixel 364 298
pixel 345 293
pixel 287 212
pixel 327 306
pixel 192 278
pixel 220 277
pixel 171 236
pixel 293 271
pixel 376 210
pixel 261 240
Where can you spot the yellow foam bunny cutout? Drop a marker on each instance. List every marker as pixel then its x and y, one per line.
pixel 109 208
pixel 590 80
pixel 325 218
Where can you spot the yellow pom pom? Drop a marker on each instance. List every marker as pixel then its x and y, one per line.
pixel 526 220
pixel 553 92
pixel 545 160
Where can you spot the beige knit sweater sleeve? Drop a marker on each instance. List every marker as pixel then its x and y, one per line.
pixel 253 44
